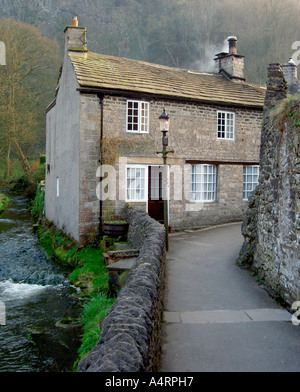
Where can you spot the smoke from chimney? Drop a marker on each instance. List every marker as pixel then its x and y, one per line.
pixel 206 63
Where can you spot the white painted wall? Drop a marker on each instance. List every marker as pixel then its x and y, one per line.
pixel 62 138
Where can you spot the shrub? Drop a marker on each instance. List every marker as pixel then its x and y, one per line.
pixel 42 159
pixel 4 202
pixel 37 210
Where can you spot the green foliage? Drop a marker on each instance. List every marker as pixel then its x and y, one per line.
pixel 39 174
pixel 42 159
pixel 67 256
pixel 4 202
pixel 91 318
pixel 117 222
pixel 37 210
pixel 91 276
pixel 27 85
pixel 58 245
pixel 288 107
pixel 91 273
pixel 296 121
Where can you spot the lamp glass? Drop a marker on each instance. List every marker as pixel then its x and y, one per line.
pixel 164 122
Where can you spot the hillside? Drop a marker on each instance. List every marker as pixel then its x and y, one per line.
pixel 182 33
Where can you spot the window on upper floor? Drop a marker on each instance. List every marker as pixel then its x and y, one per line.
pixel 203 183
pixel 137 116
pixel 250 180
pixel 226 125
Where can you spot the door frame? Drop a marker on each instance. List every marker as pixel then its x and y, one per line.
pixel 168 189
pixel 146 201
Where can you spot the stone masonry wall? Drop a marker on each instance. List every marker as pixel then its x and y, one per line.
pixel 193 136
pixel 193 131
pixel 130 338
pixel 89 155
pixel 272 226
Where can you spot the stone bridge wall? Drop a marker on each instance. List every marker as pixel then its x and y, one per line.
pixel 131 333
pixel 272 226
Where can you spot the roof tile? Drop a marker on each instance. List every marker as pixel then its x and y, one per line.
pixel 110 72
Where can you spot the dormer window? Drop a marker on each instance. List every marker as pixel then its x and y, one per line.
pixel 138 116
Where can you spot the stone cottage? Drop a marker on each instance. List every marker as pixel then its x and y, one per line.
pixel 106 116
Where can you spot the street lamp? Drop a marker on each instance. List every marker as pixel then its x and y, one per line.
pixel 164 123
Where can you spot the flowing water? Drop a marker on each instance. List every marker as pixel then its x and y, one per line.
pixel 34 295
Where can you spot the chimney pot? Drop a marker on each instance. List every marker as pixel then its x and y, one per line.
pixel 232 45
pixel 74 21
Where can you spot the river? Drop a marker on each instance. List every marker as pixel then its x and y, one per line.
pixel 34 295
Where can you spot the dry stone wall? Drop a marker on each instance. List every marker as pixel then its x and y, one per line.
pixel 271 228
pixel 130 338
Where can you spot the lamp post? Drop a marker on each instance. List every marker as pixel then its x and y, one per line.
pixel 164 123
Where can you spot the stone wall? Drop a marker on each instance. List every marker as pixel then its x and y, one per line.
pixel 193 136
pixel 130 334
pixel 89 155
pixel 272 225
pixel 193 131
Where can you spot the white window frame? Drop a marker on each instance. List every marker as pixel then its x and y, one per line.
pixel 229 129
pixel 132 184
pixel 249 184
pixel 203 183
pixel 143 119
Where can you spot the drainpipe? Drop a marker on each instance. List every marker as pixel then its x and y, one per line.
pixel 100 96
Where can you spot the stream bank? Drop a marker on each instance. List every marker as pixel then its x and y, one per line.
pixel 89 275
pixel 37 293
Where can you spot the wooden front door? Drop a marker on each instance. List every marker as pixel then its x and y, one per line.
pixel 155 198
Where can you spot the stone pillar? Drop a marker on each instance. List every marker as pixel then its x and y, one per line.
pixel 290 74
pixel 276 86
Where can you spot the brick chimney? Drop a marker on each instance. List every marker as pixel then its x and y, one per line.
pixel 231 64
pixel 290 74
pixel 75 37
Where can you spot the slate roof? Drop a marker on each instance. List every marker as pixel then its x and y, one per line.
pixel 121 74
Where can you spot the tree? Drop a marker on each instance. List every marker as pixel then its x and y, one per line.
pixel 26 84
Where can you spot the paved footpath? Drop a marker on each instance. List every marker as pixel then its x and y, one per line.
pixel 217 317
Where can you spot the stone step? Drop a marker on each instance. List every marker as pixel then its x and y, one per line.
pixel 122 265
pixel 113 256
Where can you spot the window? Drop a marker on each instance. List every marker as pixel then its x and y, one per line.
pixel 137 116
pixel 137 183
pixel 226 125
pixel 250 180
pixel 203 183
